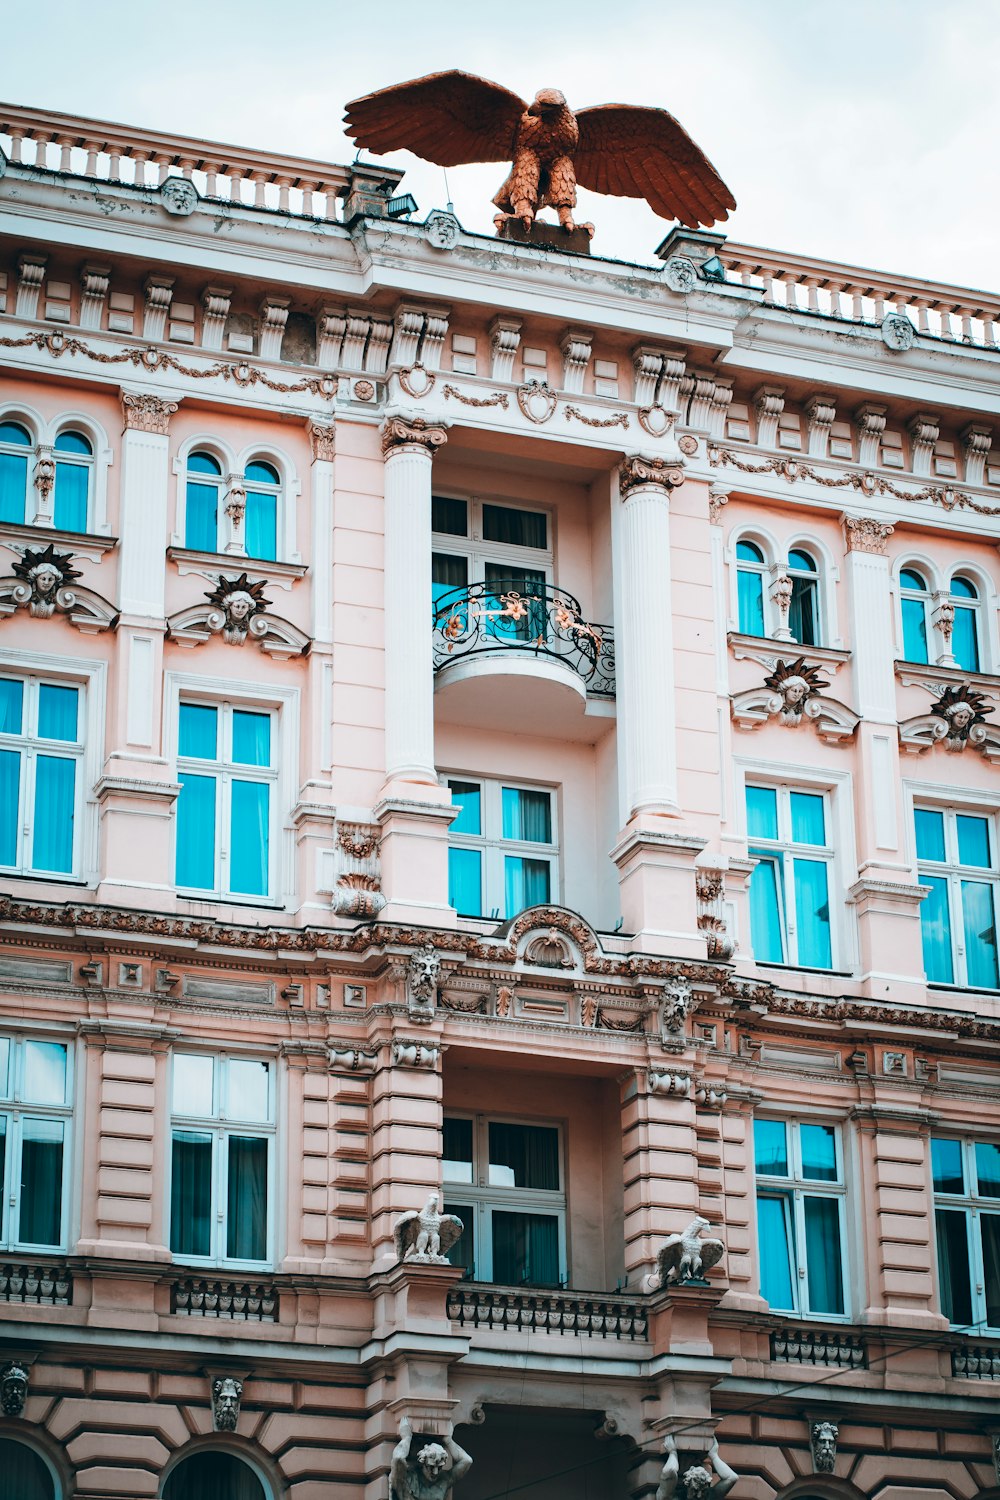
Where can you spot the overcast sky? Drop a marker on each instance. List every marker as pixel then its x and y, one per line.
pixel 865 131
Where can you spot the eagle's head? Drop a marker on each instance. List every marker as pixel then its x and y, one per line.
pixel 547 103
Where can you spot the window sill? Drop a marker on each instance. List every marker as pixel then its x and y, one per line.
pixel 751 646
pixel 81 543
pixel 961 989
pixel 209 898
pixel 283 575
pixel 39 877
pixel 918 674
pixel 803 969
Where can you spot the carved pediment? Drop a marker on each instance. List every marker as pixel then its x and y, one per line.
pixel 278 637
pixel 833 720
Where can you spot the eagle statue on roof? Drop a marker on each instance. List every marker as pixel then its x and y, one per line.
pixel 630 152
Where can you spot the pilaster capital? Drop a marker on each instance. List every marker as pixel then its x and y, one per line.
pixel 865 534
pixel 412 434
pixel 144 412
pixel 718 496
pixel 640 471
pixel 322 439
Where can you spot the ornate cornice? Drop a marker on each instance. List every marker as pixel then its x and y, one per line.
pixel 143 412
pixel 639 471
pixel 416 434
pixel 865 534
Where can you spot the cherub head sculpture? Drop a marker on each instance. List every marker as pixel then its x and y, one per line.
pixel 795 682
pixel 240 601
pixel 44 573
pixel 963 710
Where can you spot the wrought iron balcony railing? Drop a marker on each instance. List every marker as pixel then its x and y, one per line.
pixel 508 1309
pixel 540 620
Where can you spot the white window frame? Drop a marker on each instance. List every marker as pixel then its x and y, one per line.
pixel 974 1205
pixel 923 596
pixel 819 575
pixel 283 704
pixel 978 608
pixel 794 1188
pixel 90 677
pixel 764 570
pixel 17 1110
pixel 228 543
pixel 960 804
pixel 221 1128
pixel 787 851
pixel 486 1199
pixel 479 552
pixel 29 746
pixel 21 417
pixel 493 847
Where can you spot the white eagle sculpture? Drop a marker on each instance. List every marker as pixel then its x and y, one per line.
pixel 685 1256
pixel 426 1237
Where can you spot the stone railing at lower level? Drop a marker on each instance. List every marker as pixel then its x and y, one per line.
pixel 45 1285
pixel 819 1346
pixel 972 1363
pixel 521 1310
pixel 242 1301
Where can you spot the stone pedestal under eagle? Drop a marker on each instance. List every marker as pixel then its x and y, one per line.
pixel 630 152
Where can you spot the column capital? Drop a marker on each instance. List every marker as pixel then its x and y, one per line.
pixel 144 412
pixel 322 439
pixel 413 434
pixel 865 534
pixel 639 471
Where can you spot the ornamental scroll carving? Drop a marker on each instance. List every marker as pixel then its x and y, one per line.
pixel 865 534
pixel 639 471
pixel 414 433
pixel 957 720
pixel 146 413
pixel 44 582
pixel 358 884
pixel 710 881
pixel 793 691
pixel 237 610
pixel 322 441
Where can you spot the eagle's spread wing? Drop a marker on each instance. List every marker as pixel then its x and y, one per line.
pixel 712 1252
pixel 668 1261
pixel 450 1231
pixel 448 118
pixel 405 1231
pixel 644 153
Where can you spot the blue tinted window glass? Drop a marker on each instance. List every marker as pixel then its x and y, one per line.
pixel 10 779
pixel 910 580
pixel 762 812
pixel 72 442
pixel 467 798
pixel 13 487
pixel 201 517
pixel 251 738
pixel 748 552
pixel 819 1152
pixel 11 432
pixel 988 1169
pixel 55 783
pixel 767 910
pixel 953 1265
pixel 197 730
pixel 980 927
pixel 249 838
pixel 770 1148
pixel 929 828
pixel 914 630
pixel 203 463
pixel 57 712
pixel 526 883
pixel 808 826
pixel 774 1236
pixel 261 472
pixel 261 525
pixel 965 640
pixel 812 913
pixel 946 1165
pixel 196 831
pixel 963 588
pixel 803 612
pixel 824 1271
pixel 11 705
pixel 72 489
pixel 465 881
pixel 935 931
pixel 526 815
pixel 801 562
pixel 973 841
pixel 750 591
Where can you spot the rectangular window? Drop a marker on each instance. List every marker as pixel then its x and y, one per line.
pixel 966 1178
pixel 504 1180
pixel 221 1159
pixel 790 886
pixel 41 774
pixel 504 547
pixel 35 1099
pixel 800 1217
pixel 957 859
pixel 504 850
pixel 226 767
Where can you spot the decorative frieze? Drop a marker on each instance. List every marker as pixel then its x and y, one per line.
pixel 412 434
pixel 215 303
pixel 865 534
pixel 144 412
pixel 640 471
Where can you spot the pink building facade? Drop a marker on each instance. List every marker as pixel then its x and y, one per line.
pixel 492 721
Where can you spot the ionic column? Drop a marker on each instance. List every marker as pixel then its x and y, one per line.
pixel 408 447
pixel 644 637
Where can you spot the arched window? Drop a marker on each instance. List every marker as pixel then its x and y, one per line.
pixel 23 1474
pixel 201 513
pixel 15 444
pixel 803 613
pixel 74 466
pixel 750 573
pixel 914 602
pixel 213 1476
pixel 965 631
pixel 263 489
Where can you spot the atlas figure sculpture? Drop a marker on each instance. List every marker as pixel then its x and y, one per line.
pixel 696 1483
pixel 431 1474
pixel 628 151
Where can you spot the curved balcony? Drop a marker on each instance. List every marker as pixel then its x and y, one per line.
pixel 508 658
